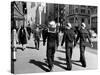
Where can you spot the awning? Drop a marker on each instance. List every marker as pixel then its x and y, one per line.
pixel 18 11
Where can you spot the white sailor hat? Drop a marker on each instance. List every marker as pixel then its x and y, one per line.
pixel 83 25
pixel 69 25
pixel 52 24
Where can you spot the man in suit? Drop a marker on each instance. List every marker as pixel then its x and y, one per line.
pixel 68 38
pixel 28 30
pixel 52 43
pixel 82 36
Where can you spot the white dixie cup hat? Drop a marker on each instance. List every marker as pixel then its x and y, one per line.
pixel 69 25
pixel 83 25
pixel 53 24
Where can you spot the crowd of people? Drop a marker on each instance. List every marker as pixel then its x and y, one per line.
pixel 50 35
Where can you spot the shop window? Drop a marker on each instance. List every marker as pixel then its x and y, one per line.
pixel 76 10
pixel 83 11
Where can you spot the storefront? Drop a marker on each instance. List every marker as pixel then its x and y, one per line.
pixel 17 16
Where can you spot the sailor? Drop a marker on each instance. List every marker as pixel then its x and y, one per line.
pixel 52 43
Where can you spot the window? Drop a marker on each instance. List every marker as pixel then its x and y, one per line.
pixel 71 20
pixel 82 20
pixel 88 11
pixel 70 11
pixel 24 8
pixel 32 4
pixel 83 11
pixel 88 21
pixel 94 19
pixel 76 19
pixel 76 10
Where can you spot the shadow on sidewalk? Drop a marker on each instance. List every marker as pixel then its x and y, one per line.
pixel 20 48
pixel 60 51
pixel 59 64
pixel 75 62
pixel 31 47
pixel 26 47
pixel 62 59
pixel 40 64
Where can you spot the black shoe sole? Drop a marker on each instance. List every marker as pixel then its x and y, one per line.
pixel 69 69
pixel 84 66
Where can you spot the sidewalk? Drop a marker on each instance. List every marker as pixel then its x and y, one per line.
pixel 91 58
pixel 33 61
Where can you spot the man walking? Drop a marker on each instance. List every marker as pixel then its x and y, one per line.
pixel 29 30
pixel 23 36
pixel 52 43
pixel 83 35
pixel 68 38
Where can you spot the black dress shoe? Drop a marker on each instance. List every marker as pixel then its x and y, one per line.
pixel 69 68
pixel 51 68
pixel 22 49
pixel 84 66
pixel 37 48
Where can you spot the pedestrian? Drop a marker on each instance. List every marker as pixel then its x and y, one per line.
pixel 28 30
pixel 60 36
pixel 52 43
pixel 44 34
pixel 68 38
pixel 82 36
pixel 23 36
pixel 37 37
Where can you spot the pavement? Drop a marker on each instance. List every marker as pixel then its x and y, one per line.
pixel 34 61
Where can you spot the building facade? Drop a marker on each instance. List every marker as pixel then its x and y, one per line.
pixel 49 12
pixel 76 14
pixel 17 14
pixel 59 13
pixel 93 18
